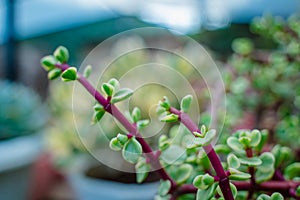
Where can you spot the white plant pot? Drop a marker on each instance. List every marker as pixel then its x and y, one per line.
pixel 90 188
pixel 16 158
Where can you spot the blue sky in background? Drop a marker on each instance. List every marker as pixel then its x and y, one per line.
pixel 38 17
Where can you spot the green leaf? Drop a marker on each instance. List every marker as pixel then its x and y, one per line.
pixel 142 170
pixel 97 116
pixel 235 144
pixel 108 89
pixel 169 118
pixel 142 123
pixel 263 140
pixel 277 196
pixel 266 170
pixel 54 73
pixel 163 142
pixel 281 154
pixel 87 71
pixel 122 138
pixel 251 162
pixel 115 145
pixel 263 197
pixel 255 137
pixel 132 150
pixel 121 95
pixel 268 161
pixel 186 103
pixel 48 62
pixel 174 155
pixel 245 141
pixel 203 129
pixel 183 173
pixel 292 171
pixel 114 82
pixel 98 107
pixel 233 161
pixel 61 54
pixel 69 74
pixel 203 182
pixel 136 114
pixel 209 136
pixel 165 103
pixel 238 175
pixel 206 194
pixel 298 191
pixel 242 46
pixel 164 187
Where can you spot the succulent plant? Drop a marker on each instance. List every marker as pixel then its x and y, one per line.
pixel 21 110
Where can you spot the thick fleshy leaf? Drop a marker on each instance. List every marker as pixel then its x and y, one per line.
pixel 54 73
pixel 264 136
pixel 169 118
pixel 186 103
pixel 108 89
pixel 122 138
pixel 206 194
pixel 293 170
pixel 163 142
pixel 255 136
pixel 281 154
pixel 275 196
pixel 251 162
pixel 132 150
pixel 209 136
pixel 245 141
pixel 242 46
pixel 69 74
pixel 238 175
pixel 136 114
pixel 165 103
pixel 87 71
pixel 61 54
pixel 235 144
pixel 268 161
pixel 164 187
pixel 203 182
pixel 115 145
pixel 48 62
pixel 142 170
pixel 121 95
pixel 233 161
pixel 183 173
pixel 114 82
pixel 174 155
pixel 266 170
pixel 142 123
pixel 97 116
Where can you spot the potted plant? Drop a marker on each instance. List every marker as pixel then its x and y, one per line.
pixel 22 118
pixel 244 167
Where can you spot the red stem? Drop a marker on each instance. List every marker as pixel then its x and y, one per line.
pixel 210 152
pixel 131 128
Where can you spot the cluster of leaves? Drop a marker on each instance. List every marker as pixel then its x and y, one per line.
pixel 269 78
pixel 181 151
pixel 21 111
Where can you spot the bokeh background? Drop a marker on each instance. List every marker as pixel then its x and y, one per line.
pixel 31 29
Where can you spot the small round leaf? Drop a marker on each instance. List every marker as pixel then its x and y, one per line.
pixel 132 150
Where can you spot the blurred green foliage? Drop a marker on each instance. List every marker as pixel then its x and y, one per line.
pixel 21 111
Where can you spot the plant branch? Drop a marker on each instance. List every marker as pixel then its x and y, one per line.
pixel 210 152
pixel 131 128
pixel 251 170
